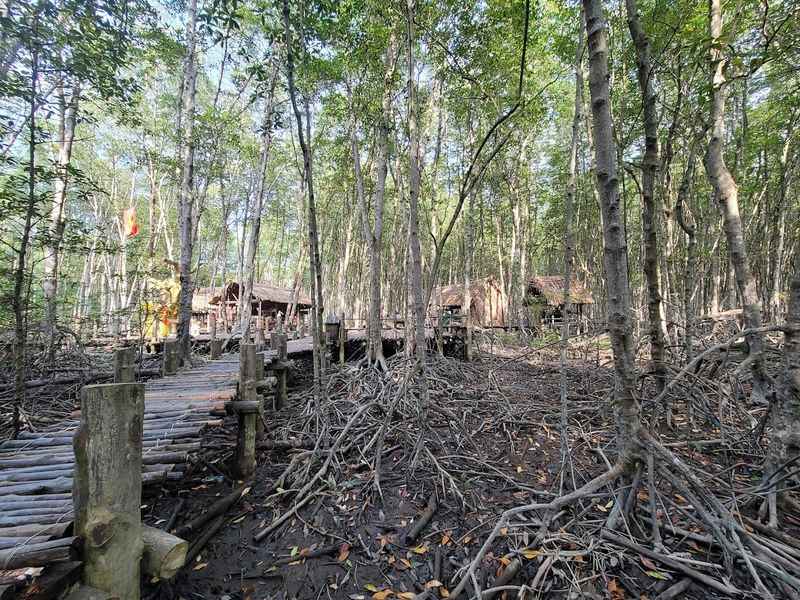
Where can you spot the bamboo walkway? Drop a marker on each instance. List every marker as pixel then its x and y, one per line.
pixel 36 469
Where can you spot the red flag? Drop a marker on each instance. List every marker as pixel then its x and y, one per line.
pixel 131 226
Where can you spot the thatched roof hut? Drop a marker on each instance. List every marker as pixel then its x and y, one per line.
pixel 264 296
pixel 549 289
pixel 488 301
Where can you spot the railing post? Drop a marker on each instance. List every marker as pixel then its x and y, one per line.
pixel 245 460
pixel 280 367
pixel 249 375
pixel 169 359
pixel 342 338
pixel 125 365
pixel 107 487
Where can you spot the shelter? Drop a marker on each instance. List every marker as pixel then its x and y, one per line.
pixel 266 301
pixel 544 297
pixel 488 302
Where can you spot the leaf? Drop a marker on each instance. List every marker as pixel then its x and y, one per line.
pixel 530 553
pixel 420 549
pixel 382 595
pixel 443 592
pixel 407 595
pixel 344 552
pixel 294 551
pixel 614 590
pixel 657 575
pixel 648 563
pixel 445 539
pixel 504 531
pixel 406 562
pixel 200 566
pixel 433 583
pixel 504 560
pixel 371 587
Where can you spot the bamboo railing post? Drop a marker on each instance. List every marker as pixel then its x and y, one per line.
pixel 280 367
pixel 124 365
pixel 169 360
pixel 342 339
pixel 107 486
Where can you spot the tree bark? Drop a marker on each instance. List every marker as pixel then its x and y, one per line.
pixel 785 177
pixel 313 238
pixel 728 197
pixel 686 221
pixel 255 228
pixel 415 275
pixel 186 199
pixel 650 164
pixel 569 243
pixel 68 113
pixel 615 251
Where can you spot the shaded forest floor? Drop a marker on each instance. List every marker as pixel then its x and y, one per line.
pixel 487 440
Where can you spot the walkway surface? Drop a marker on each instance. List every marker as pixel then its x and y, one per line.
pixel 36 469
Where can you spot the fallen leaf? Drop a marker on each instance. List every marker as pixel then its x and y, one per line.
pixel 658 575
pixel 294 550
pixel 382 595
pixel 371 587
pixel 504 560
pixel 445 539
pixel 406 562
pixel 344 552
pixel 200 567
pixel 420 549
pixel 530 553
pixel 614 590
pixel 407 595
pixel 648 563
pixel 443 592
pixel 504 531
pixel 433 583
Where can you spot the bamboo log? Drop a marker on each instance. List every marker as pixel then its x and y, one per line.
pixel 108 486
pixel 37 555
pixel 218 508
pixel 11 542
pixel 164 553
pixel 124 365
pixel 169 362
pixel 36 529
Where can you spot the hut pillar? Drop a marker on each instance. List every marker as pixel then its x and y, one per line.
pixel 124 365
pixel 169 359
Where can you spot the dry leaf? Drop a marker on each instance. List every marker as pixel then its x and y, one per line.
pixel 648 563
pixel 504 531
pixel 443 592
pixel 433 583
pixel 382 595
pixel 371 587
pixel 658 575
pixel 445 539
pixel 200 567
pixel 407 595
pixel 615 591
pixel 406 562
pixel 420 549
pixel 504 560
pixel 344 552
pixel 530 553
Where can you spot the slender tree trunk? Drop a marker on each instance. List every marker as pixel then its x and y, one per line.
pixel 569 245
pixel 313 239
pixel 615 251
pixel 415 276
pixel 686 221
pixel 186 199
pixel 255 228
pixel 650 164
pixel 68 113
pixel 728 197
pixel 469 249
pixel 785 177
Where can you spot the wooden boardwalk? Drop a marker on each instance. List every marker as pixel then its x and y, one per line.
pixel 36 469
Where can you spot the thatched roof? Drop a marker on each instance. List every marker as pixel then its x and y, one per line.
pixel 453 295
pixel 203 297
pixel 262 292
pixel 271 293
pixel 551 287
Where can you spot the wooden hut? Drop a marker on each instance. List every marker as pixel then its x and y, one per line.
pixel 488 302
pixel 266 300
pixel 544 299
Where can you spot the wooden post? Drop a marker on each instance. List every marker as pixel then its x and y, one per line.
pixel 342 339
pixel 107 486
pixel 248 378
pixel 212 324
pixel 164 553
pixel 169 359
pixel 245 459
pixel 280 367
pixel 124 365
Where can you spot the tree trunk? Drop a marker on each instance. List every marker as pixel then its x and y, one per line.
pixel 19 300
pixel 785 176
pixel 246 290
pixel 728 197
pixel 68 112
pixel 686 221
pixel 313 239
pixel 569 244
pixel 186 199
pixel 415 275
pixel 615 251
pixel 650 164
